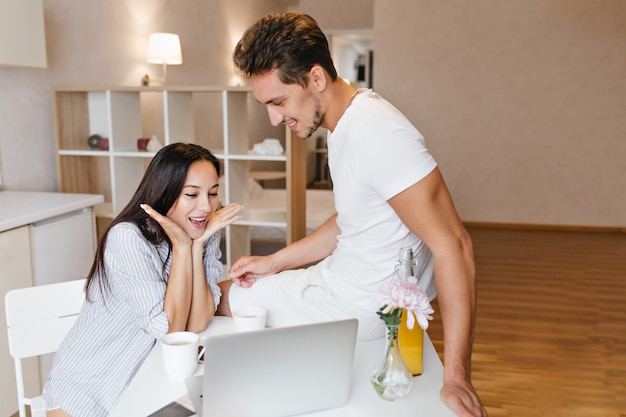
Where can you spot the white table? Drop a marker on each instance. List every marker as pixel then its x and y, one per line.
pixel 151 389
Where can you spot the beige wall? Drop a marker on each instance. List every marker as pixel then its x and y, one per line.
pixel 340 15
pixel 522 102
pixel 102 42
pixel 22 37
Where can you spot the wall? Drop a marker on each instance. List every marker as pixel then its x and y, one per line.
pixel 342 22
pixel 22 37
pixel 343 15
pixel 522 102
pixel 103 43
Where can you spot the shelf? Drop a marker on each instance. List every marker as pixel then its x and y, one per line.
pixel 263 218
pixel 83 152
pixel 268 175
pixel 254 157
pixel 249 156
pixel 134 154
pixel 94 152
pixel 205 115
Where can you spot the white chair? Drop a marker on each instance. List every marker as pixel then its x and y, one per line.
pixel 38 318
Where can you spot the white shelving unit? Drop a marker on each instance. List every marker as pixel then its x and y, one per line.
pixel 199 115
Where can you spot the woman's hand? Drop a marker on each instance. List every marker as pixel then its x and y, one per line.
pixel 219 219
pixel 176 234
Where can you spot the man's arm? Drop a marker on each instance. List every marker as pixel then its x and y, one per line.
pixel 426 208
pixel 312 248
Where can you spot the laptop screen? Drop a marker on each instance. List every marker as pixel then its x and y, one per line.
pixel 277 371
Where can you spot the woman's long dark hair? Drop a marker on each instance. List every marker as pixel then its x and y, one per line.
pixel 160 186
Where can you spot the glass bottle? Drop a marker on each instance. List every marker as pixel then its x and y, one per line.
pixel 410 341
pixel 391 378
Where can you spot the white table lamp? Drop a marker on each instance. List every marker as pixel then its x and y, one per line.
pixel 164 49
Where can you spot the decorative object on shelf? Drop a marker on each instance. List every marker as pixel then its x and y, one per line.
pixel 410 340
pixel 269 146
pixel 93 141
pixel 391 378
pixel 103 144
pixel 153 144
pixel 142 144
pixel 164 49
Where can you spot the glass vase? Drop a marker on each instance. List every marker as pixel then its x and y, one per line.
pixel 391 379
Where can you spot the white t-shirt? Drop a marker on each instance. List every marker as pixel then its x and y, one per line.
pixel 374 153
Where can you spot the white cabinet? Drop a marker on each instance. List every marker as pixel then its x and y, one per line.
pixel 44 237
pixel 62 247
pixel 214 117
pixel 23 20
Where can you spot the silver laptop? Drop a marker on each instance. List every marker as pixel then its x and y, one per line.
pixel 276 372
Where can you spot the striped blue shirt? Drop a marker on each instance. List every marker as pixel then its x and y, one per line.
pixel 114 334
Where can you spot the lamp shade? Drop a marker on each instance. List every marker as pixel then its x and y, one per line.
pixel 164 48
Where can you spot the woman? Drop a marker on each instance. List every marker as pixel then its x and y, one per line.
pixel 155 272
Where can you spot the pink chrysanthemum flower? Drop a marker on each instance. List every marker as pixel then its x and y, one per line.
pixel 402 294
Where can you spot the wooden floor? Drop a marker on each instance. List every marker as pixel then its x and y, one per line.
pixel 550 334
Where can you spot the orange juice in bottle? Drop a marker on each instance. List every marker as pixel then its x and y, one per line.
pixel 411 344
pixel 410 341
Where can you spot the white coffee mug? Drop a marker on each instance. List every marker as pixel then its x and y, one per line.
pixel 180 354
pixel 249 318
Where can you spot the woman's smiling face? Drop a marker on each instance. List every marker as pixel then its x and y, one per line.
pixel 197 200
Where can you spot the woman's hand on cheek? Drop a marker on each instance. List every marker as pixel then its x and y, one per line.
pixel 176 234
pixel 221 218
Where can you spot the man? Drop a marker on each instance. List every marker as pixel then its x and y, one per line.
pixel 389 194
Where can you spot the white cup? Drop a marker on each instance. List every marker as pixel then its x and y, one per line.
pixel 249 318
pixel 180 354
